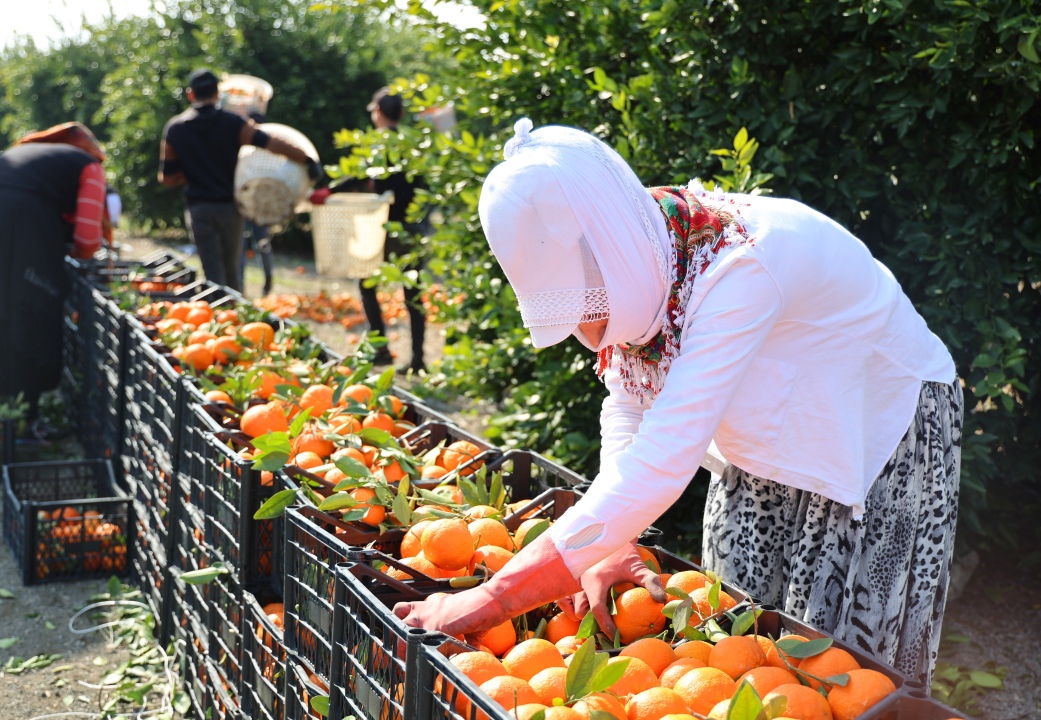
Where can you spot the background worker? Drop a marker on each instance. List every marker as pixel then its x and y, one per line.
pixel 761 324
pixel 200 149
pixel 52 202
pixel 386 111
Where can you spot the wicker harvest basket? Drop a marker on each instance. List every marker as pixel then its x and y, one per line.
pixel 268 187
pixel 349 234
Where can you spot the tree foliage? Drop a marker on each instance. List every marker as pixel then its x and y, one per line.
pixel 125 78
pixel 910 122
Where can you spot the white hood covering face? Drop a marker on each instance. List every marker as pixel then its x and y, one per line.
pixel 578 237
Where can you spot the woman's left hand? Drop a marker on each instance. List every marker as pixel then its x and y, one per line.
pixel 624 565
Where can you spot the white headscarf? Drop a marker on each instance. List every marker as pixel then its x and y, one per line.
pixel 570 223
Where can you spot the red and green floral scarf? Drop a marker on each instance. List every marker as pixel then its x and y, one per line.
pixel 699 234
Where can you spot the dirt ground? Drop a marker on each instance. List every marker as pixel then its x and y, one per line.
pixel 996 622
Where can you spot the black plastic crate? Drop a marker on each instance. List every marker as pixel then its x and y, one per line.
pixel 149 572
pixel 188 612
pixel 312 552
pixel 224 628
pixel 153 397
pixel 189 636
pixel 154 484
pixel 438 690
pixel 234 491
pixel 301 686
pixel 66 520
pixel 263 689
pixel 370 652
pixel 71 384
pixel 912 705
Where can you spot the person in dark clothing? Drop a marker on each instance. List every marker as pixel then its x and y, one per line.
pixel 200 149
pixel 386 110
pixel 52 200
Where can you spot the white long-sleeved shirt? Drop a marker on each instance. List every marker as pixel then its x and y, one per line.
pixel 801 356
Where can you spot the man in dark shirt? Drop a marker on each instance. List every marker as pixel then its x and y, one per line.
pixel 386 110
pixel 200 149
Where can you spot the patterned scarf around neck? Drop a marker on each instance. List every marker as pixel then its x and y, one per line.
pixel 699 235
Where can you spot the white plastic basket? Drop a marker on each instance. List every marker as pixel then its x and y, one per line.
pixel 349 234
pixel 245 94
pixel 268 187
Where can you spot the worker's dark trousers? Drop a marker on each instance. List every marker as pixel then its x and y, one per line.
pixel 216 230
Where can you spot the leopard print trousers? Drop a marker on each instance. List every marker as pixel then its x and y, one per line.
pixel 878 583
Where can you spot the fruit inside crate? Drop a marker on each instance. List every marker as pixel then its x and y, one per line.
pixel 66 520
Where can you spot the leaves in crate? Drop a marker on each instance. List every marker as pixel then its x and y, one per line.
pixel 273 451
pixel 580 671
pixel 355 515
pixel 320 704
pixel 7 642
pixel 298 422
pixel 401 510
pixel 386 379
pixel 376 437
pixel 745 704
pixel 6 594
pixel 200 577
pixel 538 715
pixel 677 593
pixel 714 632
pixel 275 506
pixel 587 627
pixel 338 501
pixel 607 674
pixel 799 649
pixel 351 467
pixel 713 595
pixel 840 679
pixel 690 633
pixel 437 499
pixel 744 621
pixel 536 530
pixel 601 715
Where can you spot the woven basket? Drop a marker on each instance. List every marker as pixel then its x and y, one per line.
pixel 245 94
pixel 268 187
pixel 349 234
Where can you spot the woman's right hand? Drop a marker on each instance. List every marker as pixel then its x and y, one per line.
pixel 624 565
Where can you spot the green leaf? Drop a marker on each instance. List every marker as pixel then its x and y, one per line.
pixel 386 379
pixel 48 625
pixel 320 704
pixel 298 422
pixel 681 615
pixel 351 467
pixel 376 437
pixel 271 461
pixel 745 704
pixel 677 592
pixel 201 577
pixel 275 506
pixel 840 679
pixel 7 642
pixel 580 671
pixel 6 594
pixel 536 530
pixel 338 501
pixel 713 595
pixel 1025 46
pixel 587 628
pixel 986 679
pixel 609 675
pixel 401 509
pixel 799 649
pixel 744 622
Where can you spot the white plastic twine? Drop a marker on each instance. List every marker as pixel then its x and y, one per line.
pixel 166 705
pixel 521 136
